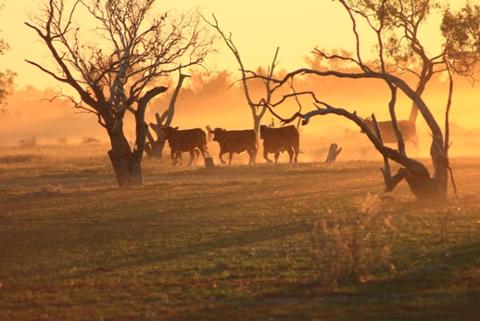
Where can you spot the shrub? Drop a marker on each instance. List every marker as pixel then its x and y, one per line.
pixel 28 142
pixel 90 140
pixel 349 248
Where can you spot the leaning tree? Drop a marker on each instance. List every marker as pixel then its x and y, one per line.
pixel 400 52
pixel 119 72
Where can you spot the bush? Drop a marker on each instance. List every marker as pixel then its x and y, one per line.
pixel 28 142
pixel 349 248
pixel 90 140
pixel 62 141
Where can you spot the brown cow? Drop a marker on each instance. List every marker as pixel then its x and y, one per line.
pixel 283 139
pixel 236 141
pixel 407 128
pixel 193 141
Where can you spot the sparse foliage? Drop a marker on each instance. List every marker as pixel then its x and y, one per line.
pixel 257 109
pixel 399 51
pixel 124 71
pixel 462 31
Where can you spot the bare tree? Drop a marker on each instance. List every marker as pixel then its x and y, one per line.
pixel 6 77
pixel 399 51
pixel 121 73
pixel 258 110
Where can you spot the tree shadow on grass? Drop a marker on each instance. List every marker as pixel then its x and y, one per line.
pixel 259 235
pixel 447 287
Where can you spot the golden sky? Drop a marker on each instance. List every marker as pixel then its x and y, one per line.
pixel 258 28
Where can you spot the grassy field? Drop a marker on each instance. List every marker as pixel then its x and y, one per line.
pixel 233 244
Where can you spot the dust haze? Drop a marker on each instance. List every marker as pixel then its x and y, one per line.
pixel 216 99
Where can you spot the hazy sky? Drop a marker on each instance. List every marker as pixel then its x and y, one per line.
pixel 258 28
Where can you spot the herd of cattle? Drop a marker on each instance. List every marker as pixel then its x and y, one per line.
pixel 194 141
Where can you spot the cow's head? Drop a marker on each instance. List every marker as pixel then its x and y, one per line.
pixel 219 134
pixel 169 132
pixel 263 130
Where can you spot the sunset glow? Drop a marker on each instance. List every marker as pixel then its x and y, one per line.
pixel 218 160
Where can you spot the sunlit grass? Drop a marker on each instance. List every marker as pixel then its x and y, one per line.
pixel 232 244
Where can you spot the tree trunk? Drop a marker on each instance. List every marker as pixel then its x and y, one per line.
pixel 126 164
pixel 333 153
pixel 256 124
pixel 441 164
pixel 127 168
pixel 155 147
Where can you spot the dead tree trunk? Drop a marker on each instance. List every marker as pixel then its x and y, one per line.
pixel 333 153
pixel 256 123
pixel 127 163
pixel 258 109
pixel 126 166
pixel 154 147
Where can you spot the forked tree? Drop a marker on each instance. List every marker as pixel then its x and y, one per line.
pixel 115 63
pixel 154 147
pixel 257 110
pixel 399 52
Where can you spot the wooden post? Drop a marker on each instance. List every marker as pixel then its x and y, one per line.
pixel 333 153
pixel 209 164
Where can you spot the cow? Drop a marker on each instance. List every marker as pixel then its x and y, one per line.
pixel 283 139
pixel 407 128
pixel 236 141
pixel 193 141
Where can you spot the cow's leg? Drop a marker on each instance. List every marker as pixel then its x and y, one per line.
pixel 203 151
pixel 291 154
pixel 277 155
pixel 173 157
pixel 253 154
pixel 192 157
pixel 230 156
pixel 265 155
pixel 221 157
pixel 178 158
pixel 296 149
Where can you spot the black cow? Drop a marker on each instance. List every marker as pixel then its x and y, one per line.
pixel 193 141
pixel 283 139
pixel 236 141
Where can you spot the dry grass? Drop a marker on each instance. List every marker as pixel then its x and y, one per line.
pixel 232 244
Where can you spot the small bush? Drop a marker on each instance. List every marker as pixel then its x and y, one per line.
pixel 349 248
pixel 28 142
pixel 90 140
pixel 62 141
